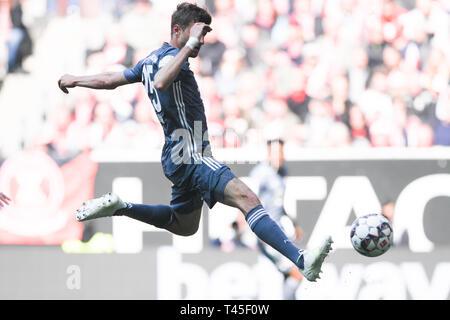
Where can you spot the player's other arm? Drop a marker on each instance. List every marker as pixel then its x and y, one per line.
pixel 105 80
pixel 169 72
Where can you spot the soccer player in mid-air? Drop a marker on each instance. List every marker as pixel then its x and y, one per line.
pixel 186 156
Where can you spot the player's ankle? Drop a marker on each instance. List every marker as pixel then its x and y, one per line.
pixel 122 211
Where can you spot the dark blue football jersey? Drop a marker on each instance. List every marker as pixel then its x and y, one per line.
pixel 179 109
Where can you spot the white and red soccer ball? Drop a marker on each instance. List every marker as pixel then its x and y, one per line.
pixel 371 235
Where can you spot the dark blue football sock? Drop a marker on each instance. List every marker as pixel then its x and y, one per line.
pixel 268 231
pixel 159 216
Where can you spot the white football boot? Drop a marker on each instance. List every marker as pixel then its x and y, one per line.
pixel 313 259
pixel 105 206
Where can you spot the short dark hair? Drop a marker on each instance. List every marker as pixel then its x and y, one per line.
pixel 186 13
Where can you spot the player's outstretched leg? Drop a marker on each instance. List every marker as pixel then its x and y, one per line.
pixel 313 259
pixel 238 195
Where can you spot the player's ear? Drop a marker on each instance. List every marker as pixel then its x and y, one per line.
pixel 176 30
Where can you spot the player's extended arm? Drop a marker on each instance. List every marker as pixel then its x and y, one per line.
pixel 105 80
pixel 167 74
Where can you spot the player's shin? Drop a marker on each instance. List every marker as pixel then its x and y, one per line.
pixel 159 216
pixel 269 232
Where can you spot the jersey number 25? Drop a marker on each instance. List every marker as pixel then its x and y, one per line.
pixel 152 93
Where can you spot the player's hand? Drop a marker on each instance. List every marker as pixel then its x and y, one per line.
pixel 199 30
pixel 4 200
pixel 66 81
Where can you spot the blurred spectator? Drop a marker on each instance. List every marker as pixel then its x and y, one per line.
pixel 426 136
pixel 104 122
pixel 78 132
pixel 19 40
pixel 442 127
pixel 116 50
pixel 400 113
pixel 358 74
pixel 388 210
pixel 228 73
pixel 211 54
pixel 419 100
pixel 269 178
pixel 427 17
pixel 303 16
pixel 226 22
pixel 390 13
pixel 373 34
pixel 265 16
pixel 436 71
pixel 338 136
pixel 340 102
pixel 359 131
pixel 58 146
pixel 318 121
pixel 252 44
pixel 142 17
pixel 279 33
pixel 375 101
pixel 297 97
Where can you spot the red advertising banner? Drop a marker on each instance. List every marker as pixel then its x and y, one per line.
pixel 44 198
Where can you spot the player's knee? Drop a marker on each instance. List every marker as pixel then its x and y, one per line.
pixel 189 230
pixel 186 224
pixel 249 198
pixel 239 195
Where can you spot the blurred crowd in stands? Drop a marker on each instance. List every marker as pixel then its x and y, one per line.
pixel 329 73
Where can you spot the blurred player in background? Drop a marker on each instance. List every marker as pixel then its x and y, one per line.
pixel 269 177
pixel 186 159
pixel 4 200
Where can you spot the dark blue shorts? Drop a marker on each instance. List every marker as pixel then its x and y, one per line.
pixel 195 183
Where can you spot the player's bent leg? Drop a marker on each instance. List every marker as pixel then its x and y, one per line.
pixel 110 205
pixel 238 195
pixel 187 209
pixel 160 216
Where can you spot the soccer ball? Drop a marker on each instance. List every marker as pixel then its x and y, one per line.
pixel 371 235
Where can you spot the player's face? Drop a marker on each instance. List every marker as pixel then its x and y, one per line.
pixel 185 38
